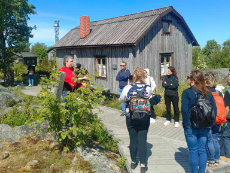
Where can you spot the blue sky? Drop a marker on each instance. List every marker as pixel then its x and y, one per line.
pixel 207 19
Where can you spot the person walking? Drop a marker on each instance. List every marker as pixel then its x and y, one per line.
pixel 225 150
pixel 137 128
pixel 122 77
pixel 196 138
pixel 150 82
pixel 171 84
pixel 213 146
pixel 31 72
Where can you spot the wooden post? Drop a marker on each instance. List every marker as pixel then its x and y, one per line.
pixel 59 86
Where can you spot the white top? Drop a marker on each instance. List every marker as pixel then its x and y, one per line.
pixel 149 80
pixel 126 89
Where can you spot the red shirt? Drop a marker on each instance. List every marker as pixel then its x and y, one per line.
pixel 69 75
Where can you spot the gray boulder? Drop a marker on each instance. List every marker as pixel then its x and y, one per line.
pixel 98 160
pixel 7 98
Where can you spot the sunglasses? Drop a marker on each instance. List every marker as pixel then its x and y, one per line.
pixel 122 65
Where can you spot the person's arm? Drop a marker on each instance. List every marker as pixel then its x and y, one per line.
pixel 185 109
pixel 173 84
pixel 118 76
pixel 152 84
pixel 123 96
pixel 213 104
pixel 149 91
pixel 165 82
pixel 227 101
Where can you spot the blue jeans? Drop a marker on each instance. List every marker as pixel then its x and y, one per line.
pixel 122 104
pixel 225 140
pixel 31 80
pixel 196 140
pixel 213 146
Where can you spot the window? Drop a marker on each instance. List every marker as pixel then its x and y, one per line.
pixel 166 27
pixel 166 61
pixel 101 66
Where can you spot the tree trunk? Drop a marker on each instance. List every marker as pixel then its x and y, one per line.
pixel 5 65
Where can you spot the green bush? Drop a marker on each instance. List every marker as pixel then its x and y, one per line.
pixel 45 66
pixel 20 70
pixel 21 114
pixel 73 121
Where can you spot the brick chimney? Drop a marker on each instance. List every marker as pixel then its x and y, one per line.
pixel 84 26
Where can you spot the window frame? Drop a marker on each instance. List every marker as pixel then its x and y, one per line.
pixel 95 65
pixel 170 27
pixel 171 62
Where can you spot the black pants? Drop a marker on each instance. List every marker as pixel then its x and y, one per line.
pixel 138 138
pixel 153 115
pixel 174 100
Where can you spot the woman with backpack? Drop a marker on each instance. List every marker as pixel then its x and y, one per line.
pixel 171 84
pixel 213 146
pixel 137 121
pixel 196 132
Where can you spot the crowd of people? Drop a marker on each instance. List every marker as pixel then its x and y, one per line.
pixel 208 139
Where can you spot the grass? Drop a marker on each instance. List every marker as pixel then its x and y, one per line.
pixel 49 159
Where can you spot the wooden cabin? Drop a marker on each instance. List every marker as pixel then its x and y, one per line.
pixel 152 39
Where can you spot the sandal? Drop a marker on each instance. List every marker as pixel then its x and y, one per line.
pixel 134 165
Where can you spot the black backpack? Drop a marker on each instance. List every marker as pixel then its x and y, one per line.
pixel 202 113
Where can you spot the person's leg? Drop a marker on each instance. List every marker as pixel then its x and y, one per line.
pixel 201 142
pixel 32 80
pixel 215 134
pixel 175 101
pixel 191 140
pixel 142 146
pixel 226 139
pixel 133 140
pixel 153 115
pixel 210 148
pixel 216 146
pixel 168 107
pixel 29 80
pixel 122 104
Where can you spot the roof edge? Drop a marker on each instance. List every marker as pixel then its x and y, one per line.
pixel 91 46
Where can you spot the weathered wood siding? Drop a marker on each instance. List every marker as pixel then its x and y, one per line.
pixel 154 43
pixel 146 54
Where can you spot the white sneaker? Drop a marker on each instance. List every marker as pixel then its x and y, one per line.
pixel 152 120
pixel 177 124
pixel 167 122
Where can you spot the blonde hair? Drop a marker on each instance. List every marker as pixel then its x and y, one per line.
pixel 139 75
pixel 210 79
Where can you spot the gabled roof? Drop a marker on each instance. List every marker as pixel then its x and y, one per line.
pixel 123 30
pixel 27 55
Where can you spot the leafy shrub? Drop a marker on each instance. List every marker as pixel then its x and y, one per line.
pixel 21 113
pixel 73 121
pixel 45 66
pixel 19 71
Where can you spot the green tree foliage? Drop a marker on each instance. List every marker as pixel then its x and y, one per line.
pixel 39 49
pixel 19 71
pixel 211 56
pixel 14 31
pixel 45 66
pixel 226 44
pixel 198 59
